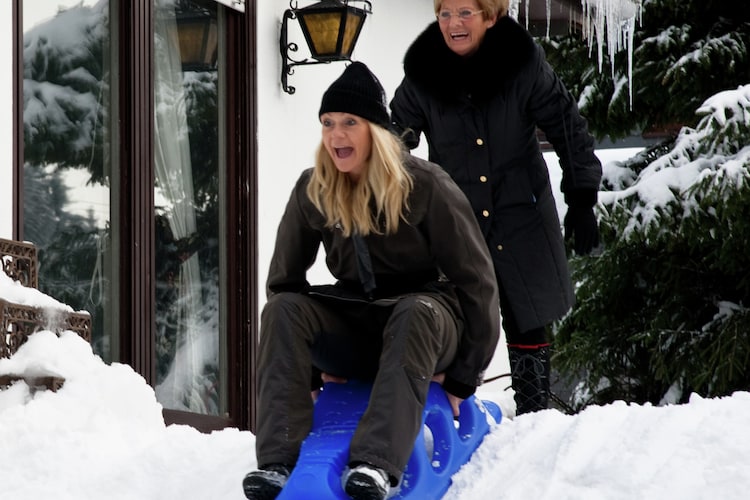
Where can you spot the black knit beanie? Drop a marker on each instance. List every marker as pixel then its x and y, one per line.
pixel 357 91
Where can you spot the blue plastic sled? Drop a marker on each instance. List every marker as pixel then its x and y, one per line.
pixel 441 448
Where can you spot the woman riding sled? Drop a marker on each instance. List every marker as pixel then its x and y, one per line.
pixel 415 297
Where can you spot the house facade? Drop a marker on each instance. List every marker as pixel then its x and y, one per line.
pixel 149 150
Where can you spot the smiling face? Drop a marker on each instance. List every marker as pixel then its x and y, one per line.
pixel 348 141
pixel 463 31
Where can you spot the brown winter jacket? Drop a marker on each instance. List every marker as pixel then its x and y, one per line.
pixel 440 236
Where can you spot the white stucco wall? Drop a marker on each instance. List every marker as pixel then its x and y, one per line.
pixel 6 120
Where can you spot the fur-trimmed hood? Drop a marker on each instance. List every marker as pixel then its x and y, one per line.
pixel 439 71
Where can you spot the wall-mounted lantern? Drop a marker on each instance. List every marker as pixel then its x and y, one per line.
pixel 198 36
pixel 331 29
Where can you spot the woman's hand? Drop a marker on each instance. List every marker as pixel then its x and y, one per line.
pixel 453 400
pixel 327 378
pixel 332 378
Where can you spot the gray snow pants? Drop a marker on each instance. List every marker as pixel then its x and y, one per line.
pixel 398 347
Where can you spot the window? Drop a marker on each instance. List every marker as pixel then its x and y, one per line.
pixel 69 112
pixel 188 206
pixel 136 159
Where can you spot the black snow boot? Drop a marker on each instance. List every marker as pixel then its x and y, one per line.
pixel 265 483
pixel 529 372
pixel 366 482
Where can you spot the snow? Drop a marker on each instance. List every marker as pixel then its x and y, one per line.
pixel 609 159
pixel 15 292
pixel 102 436
pixel 705 151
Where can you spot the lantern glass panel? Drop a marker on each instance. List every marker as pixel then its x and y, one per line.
pixel 353 25
pixel 323 29
pixel 199 42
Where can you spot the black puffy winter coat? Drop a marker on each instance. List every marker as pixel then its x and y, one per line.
pixel 480 115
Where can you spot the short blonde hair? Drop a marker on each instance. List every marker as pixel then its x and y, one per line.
pixel 489 7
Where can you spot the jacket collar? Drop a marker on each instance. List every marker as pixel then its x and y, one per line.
pixel 440 72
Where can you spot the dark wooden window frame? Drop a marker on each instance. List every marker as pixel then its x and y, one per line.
pixel 136 213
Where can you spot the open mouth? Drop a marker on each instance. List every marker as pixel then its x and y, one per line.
pixel 344 152
pixel 460 36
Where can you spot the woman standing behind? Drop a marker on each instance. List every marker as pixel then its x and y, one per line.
pixel 478 86
pixel 415 297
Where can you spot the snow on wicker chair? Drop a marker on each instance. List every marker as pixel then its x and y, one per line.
pixel 18 261
pixel 442 447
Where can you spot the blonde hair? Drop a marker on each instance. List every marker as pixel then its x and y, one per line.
pixel 489 7
pixel 385 182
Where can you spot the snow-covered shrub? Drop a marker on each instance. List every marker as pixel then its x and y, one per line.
pixel 666 304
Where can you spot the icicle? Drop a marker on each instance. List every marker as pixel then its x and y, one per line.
pixel 571 18
pixel 527 14
pixel 618 16
pixel 513 8
pixel 610 21
pixel 630 27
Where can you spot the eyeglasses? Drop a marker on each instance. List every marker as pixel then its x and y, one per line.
pixel 445 16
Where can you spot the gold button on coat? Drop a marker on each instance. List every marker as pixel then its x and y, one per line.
pixel 480 142
pixel 500 247
pixel 483 178
pixel 486 213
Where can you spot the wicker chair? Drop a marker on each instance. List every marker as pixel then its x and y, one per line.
pixel 19 321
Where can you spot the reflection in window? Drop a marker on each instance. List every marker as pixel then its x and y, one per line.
pixel 186 160
pixel 67 117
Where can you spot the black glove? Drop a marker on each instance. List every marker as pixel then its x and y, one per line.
pixel 580 222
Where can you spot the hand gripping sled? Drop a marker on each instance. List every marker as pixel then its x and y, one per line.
pixel 441 448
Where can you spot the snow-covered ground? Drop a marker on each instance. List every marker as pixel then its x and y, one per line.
pixel 102 436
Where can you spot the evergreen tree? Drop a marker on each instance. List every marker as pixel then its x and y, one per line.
pixel 684 52
pixel 665 309
pixel 66 92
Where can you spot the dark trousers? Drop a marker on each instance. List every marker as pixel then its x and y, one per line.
pixel 397 346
